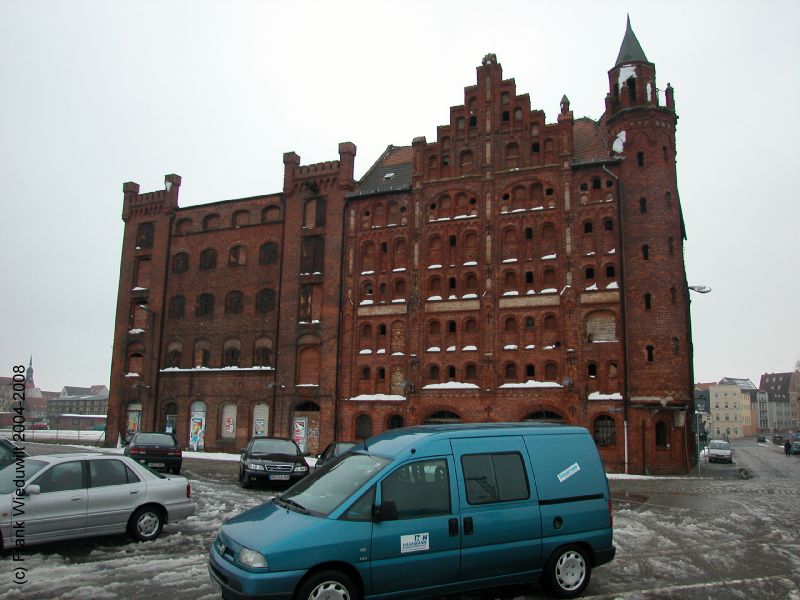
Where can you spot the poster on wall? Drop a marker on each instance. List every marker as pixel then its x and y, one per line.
pixel 300 432
pixel 260 427
pixel 228 425
pixel 197 432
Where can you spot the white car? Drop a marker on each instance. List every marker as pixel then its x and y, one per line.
pixel 64 496
pixel 720 451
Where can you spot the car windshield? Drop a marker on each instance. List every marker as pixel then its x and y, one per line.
pixel 333 483
pixel 720 446
pixel 24 470
pixel 153 439
pixel 274 447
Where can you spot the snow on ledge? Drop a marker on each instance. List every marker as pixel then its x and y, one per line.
pixel 599 396
pixel 378 398
pixel 451 385
pixel 532 383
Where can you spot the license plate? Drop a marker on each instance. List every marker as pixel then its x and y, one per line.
pixel 279 477
pixel 157 465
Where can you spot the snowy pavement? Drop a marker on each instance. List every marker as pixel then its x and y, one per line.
pixel 715 536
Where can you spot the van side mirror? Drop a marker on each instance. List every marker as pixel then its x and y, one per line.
pixel 385 512
pixel 32 490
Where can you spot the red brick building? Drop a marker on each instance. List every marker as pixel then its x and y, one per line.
pixel 512 269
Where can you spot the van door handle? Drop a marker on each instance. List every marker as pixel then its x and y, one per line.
pixel 453 526
pixel 467 525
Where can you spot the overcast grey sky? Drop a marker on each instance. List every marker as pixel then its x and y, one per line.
pixel 97 93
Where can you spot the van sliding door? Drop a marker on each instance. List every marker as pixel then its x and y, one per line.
pixel 501 526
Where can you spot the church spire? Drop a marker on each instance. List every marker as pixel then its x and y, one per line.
pixel 631 50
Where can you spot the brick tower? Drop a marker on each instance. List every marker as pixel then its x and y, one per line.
pixel 656 324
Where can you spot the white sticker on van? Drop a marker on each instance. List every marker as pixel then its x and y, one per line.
pixel 415 542
pixel 568 472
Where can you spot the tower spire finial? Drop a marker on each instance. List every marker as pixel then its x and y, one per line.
pixel 631 50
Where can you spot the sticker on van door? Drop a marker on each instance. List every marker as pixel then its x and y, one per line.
pixel 414 543
pixel 568 472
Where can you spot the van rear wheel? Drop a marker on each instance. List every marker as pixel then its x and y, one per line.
pixel 328 585
pixel 567 572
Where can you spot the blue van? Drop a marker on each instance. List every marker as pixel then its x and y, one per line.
pixel 419 511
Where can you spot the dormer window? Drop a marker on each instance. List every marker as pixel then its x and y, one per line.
pixel 388 176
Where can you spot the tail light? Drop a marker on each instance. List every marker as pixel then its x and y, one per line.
pixel 135 450
pixel 174 452
pixel 188 490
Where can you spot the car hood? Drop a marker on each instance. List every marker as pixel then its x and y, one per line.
pixel 282 458
pixel 268 527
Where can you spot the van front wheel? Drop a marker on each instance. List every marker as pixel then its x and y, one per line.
pixel 567 572
pixel 328 585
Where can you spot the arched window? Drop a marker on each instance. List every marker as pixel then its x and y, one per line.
pixel 510 324
pixel 231 353
pixel 530 371
pixel 433 373
pixel 233 302
pixel 591 370
pixel 180 262
pixel 174 354
pixel 605 431
pixel 395 422
pixel 208 259
pixel 510 372
pixel 648 301
pixel 645 252
pixel 205 306
pixel 183 226
pixel 177 307
pixel 642 205
pixel 587 227
pixel 202 353
pixel 312 254
pixel 650 353
pixel 237 256
pixel 268 253
pixel 271 214
pixel 470 372
pixel 551 372
pixel 262 352
pixel 240 217
pixel 144 235
pixel 265 300
pixel 640 159
pixel 210 222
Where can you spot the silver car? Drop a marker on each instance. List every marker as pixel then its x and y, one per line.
pixel 720 451
pixel 64 496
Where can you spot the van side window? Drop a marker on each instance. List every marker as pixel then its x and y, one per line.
pixel 419 489
pixel 362 508
pixel 494 478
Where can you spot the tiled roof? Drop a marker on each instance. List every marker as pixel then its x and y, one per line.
pixel 390 173
pixel 589 143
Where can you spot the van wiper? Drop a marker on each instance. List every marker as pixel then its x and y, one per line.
pixel 290 502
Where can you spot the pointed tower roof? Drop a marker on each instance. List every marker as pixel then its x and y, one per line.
pixel 631 50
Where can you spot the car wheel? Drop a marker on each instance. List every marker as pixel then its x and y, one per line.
pixel 146 523
pixel 243 480
pixel 567 572
pixel 176 470
pixel 328 585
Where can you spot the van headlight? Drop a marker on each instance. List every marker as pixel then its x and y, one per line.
pixel 301 468
pixel 252 559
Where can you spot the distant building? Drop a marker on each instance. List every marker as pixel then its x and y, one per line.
pixel 66 410
pixel 731 415
pixel 783 390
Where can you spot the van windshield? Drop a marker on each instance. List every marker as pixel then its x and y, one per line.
pixel 335 482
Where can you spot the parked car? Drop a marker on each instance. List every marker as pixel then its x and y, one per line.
pixel 98 427
pixel 720 451
pixel 69 496
pixel 778 439
pixel 761 439
pixel 9 452
pixel 333 450
pixel 156 450
pixel 428 510
pixel 271 460
pixel 795 448
pixel 39 425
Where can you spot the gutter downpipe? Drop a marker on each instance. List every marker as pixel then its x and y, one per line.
pixel 273 409
pixel 622 318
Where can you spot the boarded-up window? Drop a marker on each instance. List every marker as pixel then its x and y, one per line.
pixel 601 326
pixel 398 339
pixel 308 366
pixel 228 425
pixel 143 274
